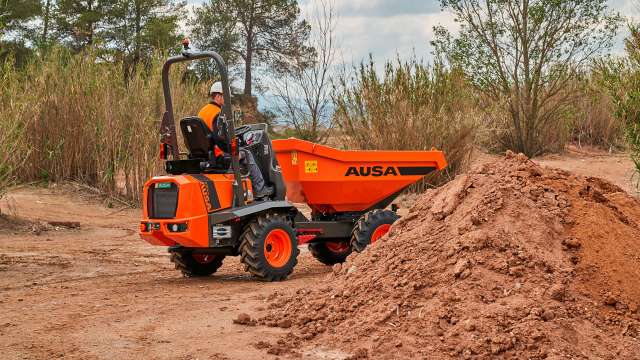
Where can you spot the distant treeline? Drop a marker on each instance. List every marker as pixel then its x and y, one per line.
pixel 269 33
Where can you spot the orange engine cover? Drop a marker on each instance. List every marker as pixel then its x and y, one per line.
pixel 197 196
pixel 331 180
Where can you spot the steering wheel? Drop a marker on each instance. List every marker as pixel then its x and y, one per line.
pixel 242 130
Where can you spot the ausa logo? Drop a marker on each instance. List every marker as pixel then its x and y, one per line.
pixel 207 197
pixel 371 171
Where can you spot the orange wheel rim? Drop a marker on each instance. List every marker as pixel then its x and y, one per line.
pixel 337 247
pixel 277 248
pixel 379 232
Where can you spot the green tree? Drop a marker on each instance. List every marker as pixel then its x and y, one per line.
pixel 254 32
pixel 80 22
pixel 525 53
pixel 137 28
pixel 48 11
pixel 15 15
pixel 17 29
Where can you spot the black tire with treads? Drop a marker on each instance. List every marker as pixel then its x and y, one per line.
pixel 189 267
pixel 252 247
pixel 366 226
pixel 325 255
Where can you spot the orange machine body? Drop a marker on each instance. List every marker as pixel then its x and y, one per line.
pixel 198 196
pixel 331 180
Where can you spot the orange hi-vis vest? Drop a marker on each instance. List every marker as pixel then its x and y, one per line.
pixel 208 114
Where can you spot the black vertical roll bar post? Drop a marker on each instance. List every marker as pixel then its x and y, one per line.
pixel 168 126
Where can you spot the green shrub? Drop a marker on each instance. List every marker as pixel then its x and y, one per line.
pixel 622 78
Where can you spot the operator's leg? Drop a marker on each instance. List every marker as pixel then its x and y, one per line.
pixel 257 181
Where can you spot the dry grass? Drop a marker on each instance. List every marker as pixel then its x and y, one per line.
pixel 13 147
pixel 413 106
pixel 594 121
pixel 76 119
pixel 585 115
pixel 549 133
pixel 72 117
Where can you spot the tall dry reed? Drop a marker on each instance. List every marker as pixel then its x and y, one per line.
pixel 594 122
pixel 78 120
pixel 412 106
pixel 13 147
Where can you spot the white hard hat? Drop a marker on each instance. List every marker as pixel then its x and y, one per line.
pixel 216 88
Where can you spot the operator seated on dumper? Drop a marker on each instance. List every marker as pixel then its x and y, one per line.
pixel 209 114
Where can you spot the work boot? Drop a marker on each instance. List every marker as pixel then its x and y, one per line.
pixel 264 192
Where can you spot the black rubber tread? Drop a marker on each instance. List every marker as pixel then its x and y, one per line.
pixel 189 267
pixel 252 247
pixel 367 224
pixel 322 253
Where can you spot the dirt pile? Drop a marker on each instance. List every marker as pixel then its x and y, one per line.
pixel 510 260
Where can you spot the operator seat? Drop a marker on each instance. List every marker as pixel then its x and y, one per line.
pixel 199 141
pixel 197 137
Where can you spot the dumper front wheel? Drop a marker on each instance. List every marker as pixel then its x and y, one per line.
pixel 371 227
pixel 269 247
pixel 195 265
pixel 331 252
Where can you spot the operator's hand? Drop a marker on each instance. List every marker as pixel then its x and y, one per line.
pixel 224 160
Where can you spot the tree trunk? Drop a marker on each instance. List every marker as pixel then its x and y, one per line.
pixel 138 30
pixel 45 28
pixel 247 71
pixel 90 26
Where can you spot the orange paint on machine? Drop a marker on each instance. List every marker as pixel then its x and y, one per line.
pixel 331 180
pixel 232 193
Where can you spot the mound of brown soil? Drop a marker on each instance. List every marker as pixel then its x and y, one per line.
pixel 511 260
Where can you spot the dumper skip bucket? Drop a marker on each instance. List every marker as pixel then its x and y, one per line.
pixel 331 180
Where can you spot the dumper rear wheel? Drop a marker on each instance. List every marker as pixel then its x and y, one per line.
pixel 269 247
pixel 331 252
pixel 195 265
pixel 371 227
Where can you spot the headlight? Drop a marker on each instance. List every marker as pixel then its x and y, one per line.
pixel 177 227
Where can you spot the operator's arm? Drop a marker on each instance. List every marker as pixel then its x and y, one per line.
pixel 217 133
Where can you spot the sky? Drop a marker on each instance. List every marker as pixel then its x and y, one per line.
pixel 386 28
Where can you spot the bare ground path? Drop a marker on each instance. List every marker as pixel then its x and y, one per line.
pixel 102 293
pixel 99 292
pixel 617 168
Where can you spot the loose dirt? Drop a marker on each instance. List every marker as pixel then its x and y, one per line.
pixel 100 292
pixel 511 260
pixel 461 286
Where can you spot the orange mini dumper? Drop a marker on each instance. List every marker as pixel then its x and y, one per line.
pixel 204 210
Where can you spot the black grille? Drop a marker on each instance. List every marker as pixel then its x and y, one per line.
pixel 163 201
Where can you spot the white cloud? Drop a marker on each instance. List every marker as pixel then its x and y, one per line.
pixel 384 8
pixel 387 37
pixel 385 28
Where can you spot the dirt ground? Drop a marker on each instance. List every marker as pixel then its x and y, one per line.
pixel 99 292
pixel 510 260
pixel 616 168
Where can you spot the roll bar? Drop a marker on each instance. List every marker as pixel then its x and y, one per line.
pixel 168 133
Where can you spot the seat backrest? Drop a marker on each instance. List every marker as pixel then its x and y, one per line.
pixel 197 137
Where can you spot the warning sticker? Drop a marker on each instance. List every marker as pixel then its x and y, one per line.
pixel 311 166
